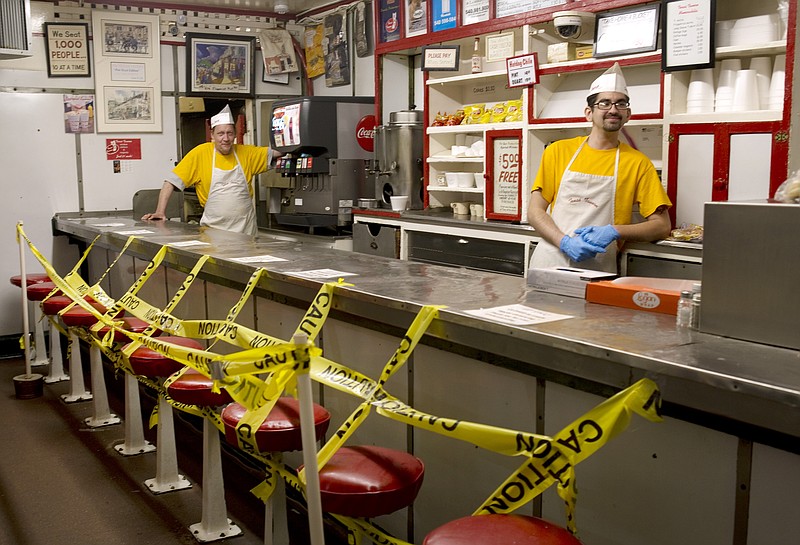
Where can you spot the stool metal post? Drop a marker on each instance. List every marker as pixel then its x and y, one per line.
pixel 39 344
pixel 77 391
pixel 56 373
pixel 167 478
pixel 102 412
pixel 134 442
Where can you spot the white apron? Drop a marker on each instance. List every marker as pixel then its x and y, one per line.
pixel 582 200
pixel 229 205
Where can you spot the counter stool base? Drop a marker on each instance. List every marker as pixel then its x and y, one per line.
pixel 75 398
pixel 162 488
pixel 127 450
pixel 134 443
pixel 108 420
pixel 203 535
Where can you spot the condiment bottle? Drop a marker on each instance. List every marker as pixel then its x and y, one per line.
pixel 684 317
pixel 477 61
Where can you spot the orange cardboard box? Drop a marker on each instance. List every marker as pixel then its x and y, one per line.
pixel 639 293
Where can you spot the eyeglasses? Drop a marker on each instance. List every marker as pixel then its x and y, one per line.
pixel 606 104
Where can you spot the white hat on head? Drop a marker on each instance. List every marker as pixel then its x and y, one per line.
pixel 610 81
pixel 224 117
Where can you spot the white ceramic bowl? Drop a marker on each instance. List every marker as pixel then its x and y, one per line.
pixel 465 179
pixel 451 178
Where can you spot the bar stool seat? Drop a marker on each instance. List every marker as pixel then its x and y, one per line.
pixel 129 323
pixel 194 388
pixel 147 362
pixel 78 316
pixel 368 481
pixel 280 432
pixel 40 290
pixel 500 530
pixel 30 279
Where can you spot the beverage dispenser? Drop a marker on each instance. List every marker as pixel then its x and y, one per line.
pixel 398 156
pixel 327 144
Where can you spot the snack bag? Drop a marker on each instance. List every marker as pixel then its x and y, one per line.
pixel 513 111
pixel 440 120
pixel 499 112
pixel 473 113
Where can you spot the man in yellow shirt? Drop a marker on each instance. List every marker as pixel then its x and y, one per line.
pixel 221 173
pixel 583 195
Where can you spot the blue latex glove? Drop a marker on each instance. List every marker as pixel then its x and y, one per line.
pixel 578 249
pixel 598 235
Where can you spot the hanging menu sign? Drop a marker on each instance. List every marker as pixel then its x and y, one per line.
pixel 688 40
pixel 475 11
pixel 506 186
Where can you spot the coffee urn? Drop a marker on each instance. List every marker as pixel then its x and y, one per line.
pixel 398 155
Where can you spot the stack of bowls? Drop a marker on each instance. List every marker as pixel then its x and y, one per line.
pixel 759 29
pixel 727 80
pixel 700 96
pixel 777 84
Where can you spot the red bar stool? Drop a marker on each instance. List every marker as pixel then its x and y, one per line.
pixel 40 355
pixel 194 388
pixel 37 292
pixel 280 432
pixel 79 317
pixel 500 529
pixel 78 392
pixel 149 363
pixel 134 442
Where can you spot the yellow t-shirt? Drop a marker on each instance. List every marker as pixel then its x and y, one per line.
pixel 637 182
pixel 195 168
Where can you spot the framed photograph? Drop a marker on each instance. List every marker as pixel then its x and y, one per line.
pixel 283 78
pixel 220 66
pixel 128 38
pixel 67 49
pixel 128 105
pixel 627 31
pixel 440 57
pixel 688 37
pixel 127 66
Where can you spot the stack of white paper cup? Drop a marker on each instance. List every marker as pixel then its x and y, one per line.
pixel 700 96
pixel 723 33
pixel 777 84
pixel 745 92
pixel 727 81
pixel 763 69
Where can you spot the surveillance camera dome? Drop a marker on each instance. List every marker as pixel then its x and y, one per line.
pixel 575 26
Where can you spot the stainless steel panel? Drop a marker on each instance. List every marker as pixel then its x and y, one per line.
pixel 376 239
pixel 474 253
pixel 751 261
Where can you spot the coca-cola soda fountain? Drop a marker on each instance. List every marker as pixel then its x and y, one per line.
pixel 328 147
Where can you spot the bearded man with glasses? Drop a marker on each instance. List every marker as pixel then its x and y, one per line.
pixel 583 197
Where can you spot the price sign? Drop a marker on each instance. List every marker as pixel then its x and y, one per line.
pixel 504 188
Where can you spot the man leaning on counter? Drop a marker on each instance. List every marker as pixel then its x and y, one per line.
pixel 222 172
pixel 583 195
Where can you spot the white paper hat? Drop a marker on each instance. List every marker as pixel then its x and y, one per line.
pixel 610 81
pixel 225 117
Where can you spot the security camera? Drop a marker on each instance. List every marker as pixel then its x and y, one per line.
pixel 575 26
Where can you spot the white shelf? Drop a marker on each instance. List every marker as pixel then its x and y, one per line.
pixel 451 159
pixel 770 48
pixel 727 117
pixel 474 128
pixel 469 78
pixel 447 189
pixel 591 63
pixel 587 125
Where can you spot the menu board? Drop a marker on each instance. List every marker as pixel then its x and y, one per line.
pixel 688 40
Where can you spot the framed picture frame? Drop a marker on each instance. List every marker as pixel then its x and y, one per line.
pixel 499 47
pixel 440 58
pixel 67 50
pixel 688 35
pixel 627 31
pixel 127 65
pixel 282 78
pixel 220 65
pixel 504 175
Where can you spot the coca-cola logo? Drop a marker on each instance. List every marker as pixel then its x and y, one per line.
pixel 365 133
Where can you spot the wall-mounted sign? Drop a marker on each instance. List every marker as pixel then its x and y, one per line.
pixel 474 11
pixel 390 20
pixel 504 175
pixel 123 148
pixel 499 46
pixel 416 17
pixel 523 70
pixel 688 35
pixel 67 48
pixel 440 57
pixel 626 31
pixel 444 14
pixel 504 8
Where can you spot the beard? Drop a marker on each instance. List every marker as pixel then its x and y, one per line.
pixel 612 123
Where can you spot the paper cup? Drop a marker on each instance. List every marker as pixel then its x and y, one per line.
pixel 723 101
pixel 777 83
pixel 480 181
pixel 745 93
pixel 700 96
pixel 763 69
pixel 399 202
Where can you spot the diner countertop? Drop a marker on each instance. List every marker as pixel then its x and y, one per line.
pixel 740 387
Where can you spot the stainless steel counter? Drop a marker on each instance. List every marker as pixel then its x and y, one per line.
pixel 743 388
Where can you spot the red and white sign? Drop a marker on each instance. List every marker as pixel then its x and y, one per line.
pixel 365 133
pixel 123 148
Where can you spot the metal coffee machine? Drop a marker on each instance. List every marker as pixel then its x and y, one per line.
pixel 328 150
pixel 398 158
